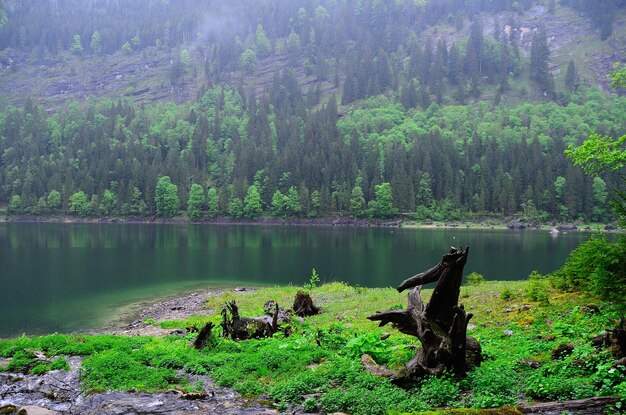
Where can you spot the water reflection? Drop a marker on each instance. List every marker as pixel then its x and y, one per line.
pixel 60 276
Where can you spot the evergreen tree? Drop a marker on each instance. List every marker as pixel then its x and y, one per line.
pixel 95 45
pixel 571 77
pixel 212 203
pixel 263 48
pixel 357 202
pixel 235 208
pixel 77 47
pixel 540 61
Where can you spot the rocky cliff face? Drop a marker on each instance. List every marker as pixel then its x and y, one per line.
pixel 146 76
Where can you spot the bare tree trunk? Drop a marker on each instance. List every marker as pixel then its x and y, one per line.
pixel 440 325
pixel 203 336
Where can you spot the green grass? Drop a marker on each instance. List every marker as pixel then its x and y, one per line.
pixel 322 357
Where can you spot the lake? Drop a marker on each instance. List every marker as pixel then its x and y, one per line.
pixel 67 277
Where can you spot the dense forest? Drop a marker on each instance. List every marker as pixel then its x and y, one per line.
pixel 416 124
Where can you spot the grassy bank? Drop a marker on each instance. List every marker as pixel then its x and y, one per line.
pixel 319 368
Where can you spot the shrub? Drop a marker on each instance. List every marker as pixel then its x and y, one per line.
pixel 538 288
pixel 475 279
pixel 597 266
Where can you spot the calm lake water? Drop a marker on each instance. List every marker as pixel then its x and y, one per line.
pixel 65 277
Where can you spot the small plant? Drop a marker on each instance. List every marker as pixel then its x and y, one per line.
pixel 506 294
pixel 439 391
pixel 313 280
pixel 538 288
pixel 475 279
pixel 309 405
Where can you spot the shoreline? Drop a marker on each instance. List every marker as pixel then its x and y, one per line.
pixel 506 224
pixel 175 307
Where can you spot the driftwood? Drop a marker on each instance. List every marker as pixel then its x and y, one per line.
pixel 590 406
pixel 303 305
pixel 203 336
pixel 440 325
pixel 242 328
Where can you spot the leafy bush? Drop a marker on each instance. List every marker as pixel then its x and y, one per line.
pixel 475 279
pixel 538 288
pixel 597 266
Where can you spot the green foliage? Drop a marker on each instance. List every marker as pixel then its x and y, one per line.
pixel 597 266
pixel 108 205
pixel 119 370
pixel 96 44
pixel 278 203
pixel 439 391
pixel 493 385
pixel 236 208
pixel 314 279
pixel 506 294
pixel 212 203
pixel 15 204
pixel 322 357
pixel 166 198
pixel 598 153
pixel 382 205
pixel 475 279
pixel 79 204
pixel 252 207
pixel 196 201
pixel 538 288
pixel 357 202
pixel 263 47
pixel 292 201
pixel 248 61
pixel 76 47
pixel 185 58
pixel 54 199
pixel 127 48
pixel 618 76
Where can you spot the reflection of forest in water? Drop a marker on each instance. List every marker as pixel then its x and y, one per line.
pixel 47 265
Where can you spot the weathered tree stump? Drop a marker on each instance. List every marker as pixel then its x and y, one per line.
pixel 203 336
pixel 440 325
pixel 616 338
pixel 243 328
pixel 303 305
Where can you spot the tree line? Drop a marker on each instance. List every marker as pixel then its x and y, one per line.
pixel 231 153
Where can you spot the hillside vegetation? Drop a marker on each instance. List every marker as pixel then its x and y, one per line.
pixel 438 110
